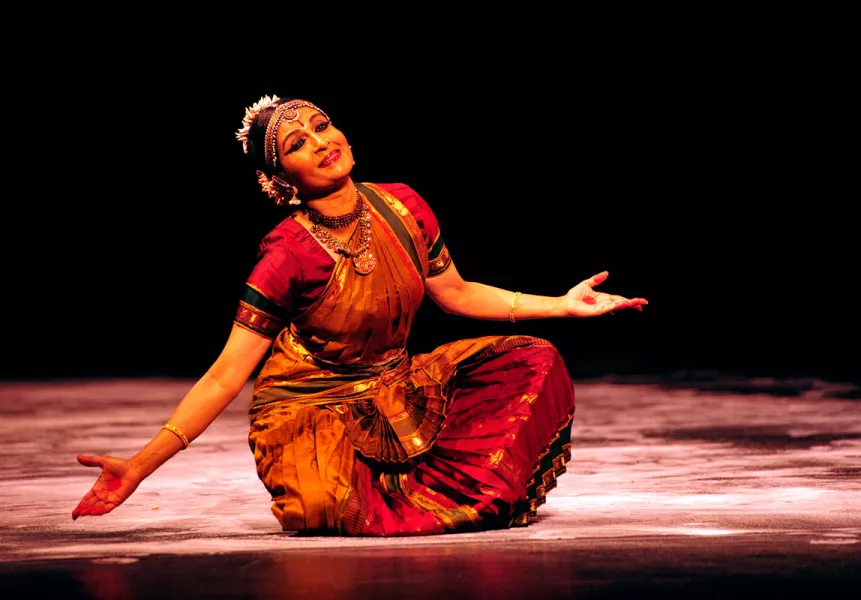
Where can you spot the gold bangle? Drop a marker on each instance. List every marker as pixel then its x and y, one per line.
pixel 512 307
pixel 178 433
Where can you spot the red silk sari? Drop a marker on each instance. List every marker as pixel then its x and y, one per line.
pixel 351 436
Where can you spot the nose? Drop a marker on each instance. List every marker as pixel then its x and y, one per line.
pixel 322 142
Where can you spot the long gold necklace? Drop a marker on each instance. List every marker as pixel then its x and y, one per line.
pixel 364 260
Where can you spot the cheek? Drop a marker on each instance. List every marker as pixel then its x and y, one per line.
pixel 338 137
pixel 292 171
pixel 345 147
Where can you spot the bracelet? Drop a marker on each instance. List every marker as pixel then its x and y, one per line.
pixel 512 307
pixel 178 433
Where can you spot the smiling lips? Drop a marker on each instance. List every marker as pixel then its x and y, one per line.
pixel 330 158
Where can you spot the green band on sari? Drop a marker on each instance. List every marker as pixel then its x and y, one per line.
pixel 400 230
pixel 258 300
pixel 436 249
pixel 258 313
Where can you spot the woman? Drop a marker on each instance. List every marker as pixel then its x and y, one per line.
pixel 349 434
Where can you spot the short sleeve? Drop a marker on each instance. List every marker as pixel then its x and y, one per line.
pixel 268 297
pixel 439 259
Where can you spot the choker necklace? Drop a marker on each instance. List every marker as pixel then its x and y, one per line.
pixel 364 260
pixel 338 222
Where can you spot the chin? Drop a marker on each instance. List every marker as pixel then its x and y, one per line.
pixel 340 172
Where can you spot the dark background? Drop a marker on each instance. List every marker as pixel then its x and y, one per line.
pixel 661 146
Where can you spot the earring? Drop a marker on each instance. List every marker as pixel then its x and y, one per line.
pixel 284 192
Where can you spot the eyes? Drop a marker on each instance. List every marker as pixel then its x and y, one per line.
pixel 321 126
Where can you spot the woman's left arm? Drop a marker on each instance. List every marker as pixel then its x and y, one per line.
pixel 456 296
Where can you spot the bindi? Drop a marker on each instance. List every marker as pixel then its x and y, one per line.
pixel 284 113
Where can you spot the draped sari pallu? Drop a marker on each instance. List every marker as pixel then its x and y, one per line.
pixel 353 437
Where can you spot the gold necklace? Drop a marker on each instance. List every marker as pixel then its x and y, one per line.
pixel 364 260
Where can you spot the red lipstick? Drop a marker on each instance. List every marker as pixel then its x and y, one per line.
pixel 330 158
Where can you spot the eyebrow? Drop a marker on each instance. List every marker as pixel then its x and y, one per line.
pixel 289 135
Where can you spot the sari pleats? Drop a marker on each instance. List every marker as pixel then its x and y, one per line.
pixel 506 412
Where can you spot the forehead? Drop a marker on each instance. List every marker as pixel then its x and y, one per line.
pixel 293 121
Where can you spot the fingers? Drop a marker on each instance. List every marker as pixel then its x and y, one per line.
pixel 95 501
pixel 83 507
pixel 91 461
pixel 611 304
pixel 597 278
pixel 83 510
pixel 635 303
pixel 92 505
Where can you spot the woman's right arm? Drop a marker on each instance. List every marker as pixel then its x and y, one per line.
pixel 218 387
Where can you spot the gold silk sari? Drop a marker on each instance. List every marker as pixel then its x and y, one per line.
pixel 342 420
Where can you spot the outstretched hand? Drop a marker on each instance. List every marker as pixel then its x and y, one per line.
pixel 116 483
pixel 583 301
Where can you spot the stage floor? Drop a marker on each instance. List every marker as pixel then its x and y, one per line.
pixel 696 485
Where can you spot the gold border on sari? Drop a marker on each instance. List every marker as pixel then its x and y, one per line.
pixel 440 264
pixel 258 321
pixel 407 220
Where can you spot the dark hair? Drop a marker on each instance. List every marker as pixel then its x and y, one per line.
pixel 257 137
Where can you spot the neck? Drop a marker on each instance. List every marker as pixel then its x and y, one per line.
pixel 337 202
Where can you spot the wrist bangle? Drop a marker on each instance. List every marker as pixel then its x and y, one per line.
pixel 178 434
pixel 513 306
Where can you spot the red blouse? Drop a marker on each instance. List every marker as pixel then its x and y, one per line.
pixel 293 268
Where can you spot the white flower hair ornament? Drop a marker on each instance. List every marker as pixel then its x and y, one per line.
pixel 266 185
pixel 277 189
pixel 250 114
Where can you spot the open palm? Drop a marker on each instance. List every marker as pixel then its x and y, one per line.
pixel 583 301
pixel 116 483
